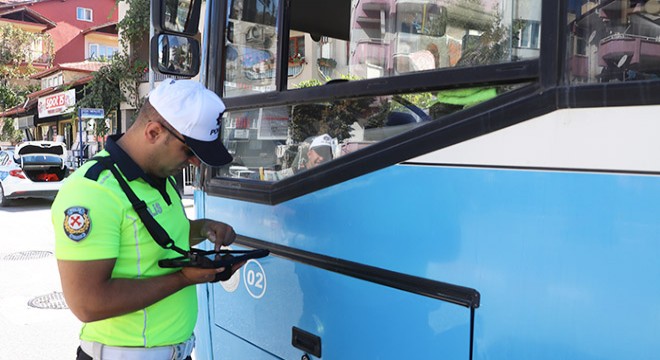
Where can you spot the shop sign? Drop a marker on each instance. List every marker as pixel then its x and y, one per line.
pixel 57 104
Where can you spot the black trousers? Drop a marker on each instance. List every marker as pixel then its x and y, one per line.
pixel 81 355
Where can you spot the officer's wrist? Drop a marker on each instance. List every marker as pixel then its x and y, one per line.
pixel 185 281
pixel 203 230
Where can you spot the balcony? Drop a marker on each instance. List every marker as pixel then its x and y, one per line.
pixel 626 50
pixel 40 59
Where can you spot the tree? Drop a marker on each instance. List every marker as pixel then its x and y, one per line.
pixel 17 54
pixel 119 81
pixel 16 57
pixel 334 118
pixel 11 96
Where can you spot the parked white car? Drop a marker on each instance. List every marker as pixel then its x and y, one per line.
pixel 33 169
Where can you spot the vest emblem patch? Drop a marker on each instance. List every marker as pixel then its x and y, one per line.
pixel 77 223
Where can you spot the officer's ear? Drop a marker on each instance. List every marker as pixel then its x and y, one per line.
pixel 153 131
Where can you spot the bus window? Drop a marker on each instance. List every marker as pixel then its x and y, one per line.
pixel 177 16
pixel 387 38
pixel 614 41
pixel 251 47
pixel 270 144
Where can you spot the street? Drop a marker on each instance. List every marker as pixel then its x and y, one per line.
pixel 35 323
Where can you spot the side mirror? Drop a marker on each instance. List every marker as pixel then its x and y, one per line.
pixel 174 51
pixel 175 55
pixel 176 16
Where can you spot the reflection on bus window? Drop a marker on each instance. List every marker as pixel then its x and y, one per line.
pixel 270 144
pixel 177 14
pixel 386 38
pixel 251 47
pixel 614 41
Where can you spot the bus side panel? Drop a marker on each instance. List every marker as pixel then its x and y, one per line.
pixel 566 262
pixel 229 346
pixel 353 318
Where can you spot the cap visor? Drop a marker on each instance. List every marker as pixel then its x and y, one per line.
pixel 211 153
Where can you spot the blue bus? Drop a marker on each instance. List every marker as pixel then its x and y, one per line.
pixel 438 179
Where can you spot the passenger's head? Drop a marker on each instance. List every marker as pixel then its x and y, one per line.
pixel 191 113
pixel 320 151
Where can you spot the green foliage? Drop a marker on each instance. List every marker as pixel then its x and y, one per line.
pixel 113 84
pixel 309 83
pixel 119 81
pixel 421 100
pixel 8 132
pixel 334 119
pixel 10 97
pixel 16 52
pixel 493 46
pixel 327 62
pixel 103 91
pixel 135 23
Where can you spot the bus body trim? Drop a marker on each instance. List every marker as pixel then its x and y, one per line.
pixel 455 294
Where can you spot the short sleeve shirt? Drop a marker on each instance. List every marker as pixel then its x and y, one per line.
pixel 93 219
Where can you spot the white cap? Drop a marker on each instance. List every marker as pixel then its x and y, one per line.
pixel 321 140
pixel 195 112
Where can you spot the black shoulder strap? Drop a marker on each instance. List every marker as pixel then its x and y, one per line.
pixel 155 230
pixel 173 183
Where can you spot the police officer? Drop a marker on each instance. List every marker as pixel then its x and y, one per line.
pixel 108 261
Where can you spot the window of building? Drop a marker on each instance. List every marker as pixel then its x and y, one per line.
pixel 36 49
pixel 297 49
pixel 101 52
pixel 84 14
pixel 530 35
pixel 51 81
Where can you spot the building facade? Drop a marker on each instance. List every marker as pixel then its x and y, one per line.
pixel 84 36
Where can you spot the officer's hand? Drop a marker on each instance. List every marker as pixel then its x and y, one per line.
pixel 219 233
pixel 198 275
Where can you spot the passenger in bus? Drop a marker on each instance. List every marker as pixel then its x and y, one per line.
pixel 320 151
pixel 108 258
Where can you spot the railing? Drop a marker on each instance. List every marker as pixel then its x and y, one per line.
pixel 160 77
pixel 37 58
pixel 629 36
pixel 189 179
pixel 295 69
